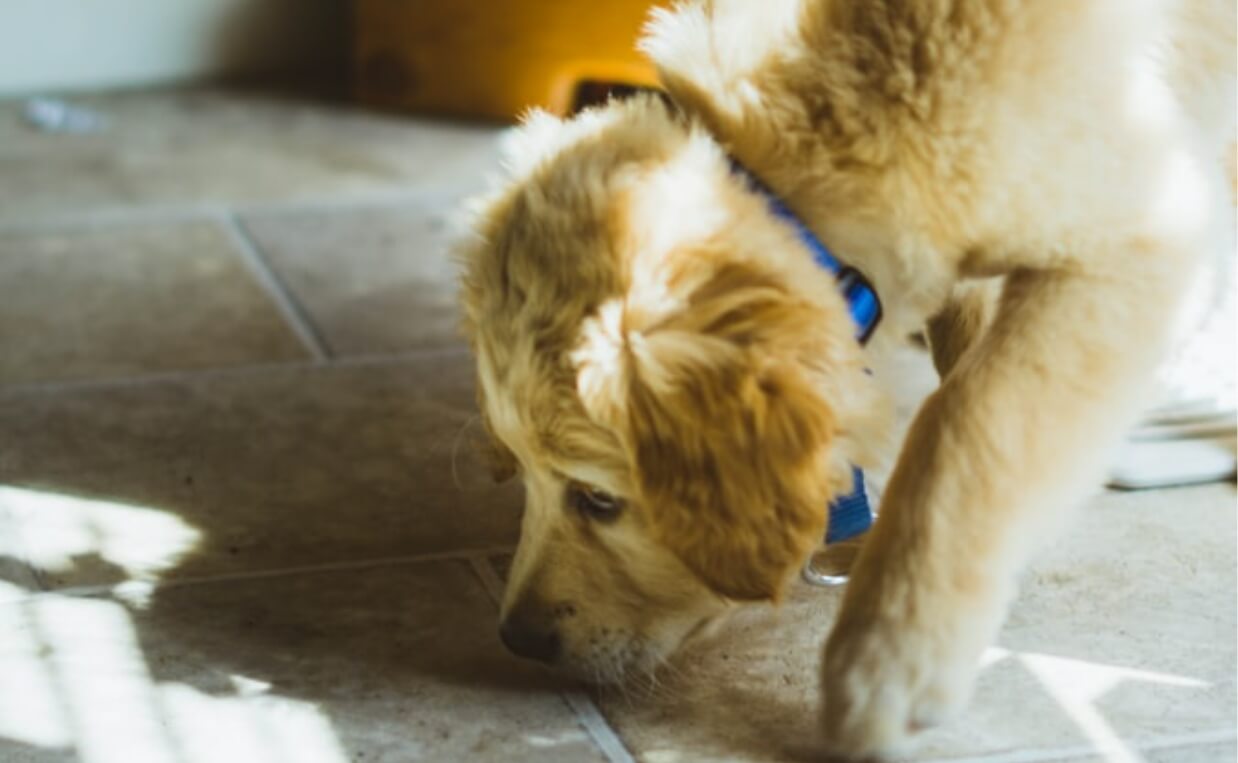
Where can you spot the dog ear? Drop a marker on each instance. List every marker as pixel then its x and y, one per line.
pixel 726 432
pixel 497 457
pixel 500 460
pixel 538 136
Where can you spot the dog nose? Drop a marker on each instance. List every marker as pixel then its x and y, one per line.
pixel 530 641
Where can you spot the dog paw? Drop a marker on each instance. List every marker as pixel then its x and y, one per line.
pixel 886 678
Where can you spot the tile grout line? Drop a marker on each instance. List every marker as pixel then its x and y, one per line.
pixel 112 217
pixel 1048 755
pixel 128 586
pixel 597 727
pixel 488 577
pixel 189 374
pixel 1185 741
pixel 187 212
pixel 581 704
pixel 449 196
pixel 293 312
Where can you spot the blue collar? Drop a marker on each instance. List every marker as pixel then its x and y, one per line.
pixel 850 515
pixel 862 300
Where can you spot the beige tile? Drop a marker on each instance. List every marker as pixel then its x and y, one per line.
pixel 374 279
pixel 131 300
pixel 1126 629
pixel 252 470
pixel 386 665
pixel 209 146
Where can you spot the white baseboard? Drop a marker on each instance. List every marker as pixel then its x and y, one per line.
pixel 59 45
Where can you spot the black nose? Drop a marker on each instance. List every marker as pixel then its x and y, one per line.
pixel 530 641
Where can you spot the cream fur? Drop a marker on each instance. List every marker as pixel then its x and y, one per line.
pixel 644 326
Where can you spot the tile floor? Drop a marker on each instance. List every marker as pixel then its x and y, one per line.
pixel 241 518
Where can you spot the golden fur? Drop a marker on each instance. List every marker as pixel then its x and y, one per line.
pixel 645 327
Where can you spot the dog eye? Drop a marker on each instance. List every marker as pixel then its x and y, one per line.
pixel 593 503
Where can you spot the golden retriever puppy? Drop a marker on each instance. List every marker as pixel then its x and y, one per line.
pixel 679 384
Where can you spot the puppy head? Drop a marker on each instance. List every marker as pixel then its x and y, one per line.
pixel 668 371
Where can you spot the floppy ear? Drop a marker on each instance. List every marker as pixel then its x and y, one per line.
pixel 726 431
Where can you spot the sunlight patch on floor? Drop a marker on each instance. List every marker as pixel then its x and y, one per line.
pixel 60 531
pixel 1076 685
pixel 76 678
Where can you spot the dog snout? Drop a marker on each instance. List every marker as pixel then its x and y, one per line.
pixel 534 641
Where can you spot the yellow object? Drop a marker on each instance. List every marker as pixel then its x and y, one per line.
pixel 495 58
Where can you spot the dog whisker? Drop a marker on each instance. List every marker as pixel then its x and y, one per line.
pixel 455 449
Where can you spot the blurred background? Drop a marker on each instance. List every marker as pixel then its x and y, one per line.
pixel 470 58
pixel 92 44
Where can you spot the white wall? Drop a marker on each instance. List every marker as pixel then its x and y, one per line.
pixel 48 45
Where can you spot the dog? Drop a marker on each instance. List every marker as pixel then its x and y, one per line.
pixel 679 385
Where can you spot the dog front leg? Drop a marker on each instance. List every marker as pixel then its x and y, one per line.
pixel 995 459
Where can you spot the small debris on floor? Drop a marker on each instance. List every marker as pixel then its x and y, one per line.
pixel 54 115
